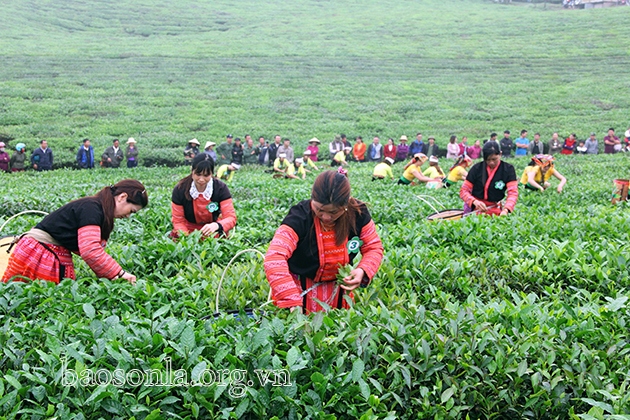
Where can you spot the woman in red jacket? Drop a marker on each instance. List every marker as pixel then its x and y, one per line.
pixel 316 238
pixel 202 202
pixel 569 145
pixel 389 151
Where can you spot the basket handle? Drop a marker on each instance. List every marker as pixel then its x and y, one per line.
pixel 19 214
pixel 216 302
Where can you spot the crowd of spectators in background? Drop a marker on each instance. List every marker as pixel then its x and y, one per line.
pixel 233 152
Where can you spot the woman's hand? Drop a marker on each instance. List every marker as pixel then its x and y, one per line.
pixel 129 277
pixel 209 228
pixel 479 205
pixel 504 212
pixel 353 281
pixel 297 308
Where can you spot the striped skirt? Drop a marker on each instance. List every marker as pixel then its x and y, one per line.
pixel 34 260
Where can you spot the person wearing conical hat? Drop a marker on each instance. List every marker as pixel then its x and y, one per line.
pixel 132 153
pixel 383 169
pixel 191 150
pixel 537 174
pixel 209 150
pixel 488 183
pixel 313 146
pixel 412 171
pixel 458 171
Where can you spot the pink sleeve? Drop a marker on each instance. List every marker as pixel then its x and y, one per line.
pixel 92 252
pixel 284 290
pixel 512 195
pixel 465 193
pixel 178 219
pixel 228 215
pixel 371 250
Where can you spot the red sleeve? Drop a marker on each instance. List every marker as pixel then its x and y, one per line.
pixel 228 215
pixel 371 250
pixel 284 290
pixel 512 195
pixel 465 193
pixel 178 219
pixel 94 255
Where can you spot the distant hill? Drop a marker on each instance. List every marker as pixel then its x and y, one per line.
pixel 167 72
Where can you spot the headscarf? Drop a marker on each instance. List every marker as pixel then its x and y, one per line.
pixel 543 160
pixel 460 160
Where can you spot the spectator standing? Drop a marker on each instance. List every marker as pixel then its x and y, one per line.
pixel 85 155
pixel 287 150
pixel 250 152
pixel 132 153
pixel 209 150
pixel 592 148
pixel 474 151
pixel 403 149
pixel 4 158
pixel 452 148
pixel 263 149
pixel 463 147
pixel 18 160
pixel 313 146
pixel 237 152
pixel 569 145
pixel 581 148
pixel 611 142
pixel 273 149
pixel 224 151
pixel 358 151
pixel 417 146
pixel 191 150
pixel 506 144
pixel 522 143
pixel 390 150
pixel 536 147
pixel 345 141
pixel 113 155
pixel 432 148
pixel 555 145
pixel 42 157
pixel 375 151
pixel 335 147
pixel 493 137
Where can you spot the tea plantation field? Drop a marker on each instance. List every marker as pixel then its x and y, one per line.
pixel 525 316
pixel 520 316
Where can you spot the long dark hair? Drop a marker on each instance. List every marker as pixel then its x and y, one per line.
pixel 136 194
pixel 203 165
pixel 331 187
